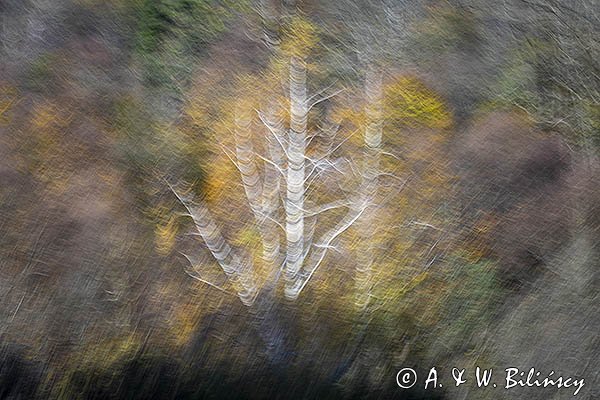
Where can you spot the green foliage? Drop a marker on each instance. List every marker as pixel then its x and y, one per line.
pixel 532 80
pixel 135 130
pixel 42 74
pixel 461 299
pixel 171 32
pixel 515 85
pixel 469 304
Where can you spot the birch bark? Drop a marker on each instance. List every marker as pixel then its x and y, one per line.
pixel 237 268
pixel 294 205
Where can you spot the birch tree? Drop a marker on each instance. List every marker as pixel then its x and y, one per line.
pixel 276 183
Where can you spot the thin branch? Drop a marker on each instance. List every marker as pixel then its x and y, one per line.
pixel 281 171
pixel 320 92
pixel 270 129
pixel 196 277
pixel 326 244
pixel 424 224
pixel 230 158
pixel 325 98
pixel 329 206
pixel 272 220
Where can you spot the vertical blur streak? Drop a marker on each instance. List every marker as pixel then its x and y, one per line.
pixel 368 188
pixel 294 205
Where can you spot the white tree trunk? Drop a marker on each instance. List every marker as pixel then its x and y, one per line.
pixel 294 205
pixel 361 209
pixel 246 160
pixel 238 269
pixel 271 200
pixel 288 159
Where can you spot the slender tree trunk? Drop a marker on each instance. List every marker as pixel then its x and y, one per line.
pixel 262 194
pixel 368 190
pixel 273 170
pixel 238 268
pixel 294 205
pixel 361 210
pixel 272 192
pixel 246 160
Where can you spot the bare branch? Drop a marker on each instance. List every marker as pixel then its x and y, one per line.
pixel 197 277
pixel 323 245
pixel 325 98
pixel 235 267
pixel 329 206
pixel 270 129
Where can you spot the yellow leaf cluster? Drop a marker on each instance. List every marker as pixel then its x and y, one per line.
pixel 300 37
pixel 410 103
pixel 47 115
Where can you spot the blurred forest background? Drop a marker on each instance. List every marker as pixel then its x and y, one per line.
pixel 461 137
